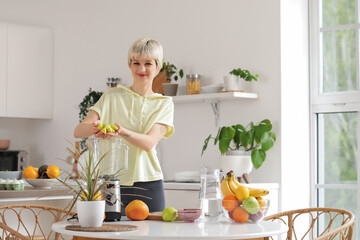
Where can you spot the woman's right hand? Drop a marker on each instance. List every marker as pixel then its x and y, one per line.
pixel 96 131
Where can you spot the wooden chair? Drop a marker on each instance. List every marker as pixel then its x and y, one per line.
pixel 30 221
pixel 333 223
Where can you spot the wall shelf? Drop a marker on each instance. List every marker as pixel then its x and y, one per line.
pixel 214 99
pixel 213 96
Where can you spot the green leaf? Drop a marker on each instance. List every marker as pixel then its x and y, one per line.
pixel 217 136
pixel 263 127
pixel 236 139
pixel 245 138
pixel 227 133
pixel 266 141
pixel 271 134
pixel 181 73
pixel 224 145
pixel 206 141
pixel 258 157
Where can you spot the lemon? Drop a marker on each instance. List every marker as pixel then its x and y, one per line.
pixel 169 214
pixel 242 193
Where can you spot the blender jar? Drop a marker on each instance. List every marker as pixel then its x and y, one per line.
pixel 114 154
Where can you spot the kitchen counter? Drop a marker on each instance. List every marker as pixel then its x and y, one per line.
pixel 172 185
pixel 30 193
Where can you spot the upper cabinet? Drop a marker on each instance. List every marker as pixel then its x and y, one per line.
pixel 26 71
pixel 3 50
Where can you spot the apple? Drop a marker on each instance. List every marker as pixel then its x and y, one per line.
pixel 256 217
pixel 251 205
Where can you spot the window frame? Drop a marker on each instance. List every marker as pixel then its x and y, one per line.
pixel 329 102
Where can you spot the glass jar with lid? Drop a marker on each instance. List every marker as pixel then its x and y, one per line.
pixel 193 83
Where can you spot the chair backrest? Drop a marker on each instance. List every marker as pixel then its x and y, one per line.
pixel 30 221
pixel 324 223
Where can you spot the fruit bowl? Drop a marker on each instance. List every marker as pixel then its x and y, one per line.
pixel 189 215
pixel 41 183
pixel 250 210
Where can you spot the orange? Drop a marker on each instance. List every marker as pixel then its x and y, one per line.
pixel 240 214
pixel 31 172
pixel 137 210
pixel 229 202
pixel 53 171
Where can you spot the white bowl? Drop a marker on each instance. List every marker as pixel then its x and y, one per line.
pixel 10 174
pixel 211 89
pixel 41 183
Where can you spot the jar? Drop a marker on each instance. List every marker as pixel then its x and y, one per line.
pixel 193 83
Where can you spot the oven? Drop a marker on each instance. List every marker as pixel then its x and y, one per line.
pixel 13 160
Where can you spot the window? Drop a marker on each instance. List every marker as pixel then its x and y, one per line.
pixel 335 104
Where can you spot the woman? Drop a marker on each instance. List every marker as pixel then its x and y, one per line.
pixel 143 119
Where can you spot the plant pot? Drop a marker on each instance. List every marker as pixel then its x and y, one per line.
pixel 237 161
pixel 232 83
pixel 170 89
pixel 90 213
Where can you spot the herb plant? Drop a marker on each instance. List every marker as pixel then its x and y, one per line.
pixel 171 70
pixel 244 74
pixel 255 138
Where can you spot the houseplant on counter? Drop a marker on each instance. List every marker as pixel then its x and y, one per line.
pixel 234 83
pixel 88 190
pixel 243 147
pixel 170 88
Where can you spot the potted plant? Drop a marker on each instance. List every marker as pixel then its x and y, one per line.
pixel 233 82
pixel 88 101
pixel 251 142
pixel 88 190
pixel 170 88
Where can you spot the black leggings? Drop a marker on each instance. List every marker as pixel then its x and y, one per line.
pixel 153 190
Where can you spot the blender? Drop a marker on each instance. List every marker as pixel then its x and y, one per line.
pixel 112 166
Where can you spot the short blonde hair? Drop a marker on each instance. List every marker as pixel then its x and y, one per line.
pixel 146 47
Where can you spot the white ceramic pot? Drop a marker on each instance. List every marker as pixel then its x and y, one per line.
pixel 237 161
pixel 232 83
pixel 90 213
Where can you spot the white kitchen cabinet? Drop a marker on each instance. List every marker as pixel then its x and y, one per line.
pixel 181 198
pixel 26 76
pixel 3 54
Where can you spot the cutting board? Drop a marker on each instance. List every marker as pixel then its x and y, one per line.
pixel 157 216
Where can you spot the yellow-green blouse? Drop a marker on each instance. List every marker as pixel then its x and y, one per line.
pixel 138 114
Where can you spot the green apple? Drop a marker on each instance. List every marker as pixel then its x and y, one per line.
pixel 251 205
pixel 169 214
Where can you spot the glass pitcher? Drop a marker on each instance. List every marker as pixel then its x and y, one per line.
pixel 210 194
pixel 116 156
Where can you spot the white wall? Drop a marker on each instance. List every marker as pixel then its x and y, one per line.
pixel 295 113
pixel 208 37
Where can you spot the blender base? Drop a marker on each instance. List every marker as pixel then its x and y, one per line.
pixel 112 216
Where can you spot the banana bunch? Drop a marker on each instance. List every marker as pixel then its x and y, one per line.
pixel 231 186
pixel 106 127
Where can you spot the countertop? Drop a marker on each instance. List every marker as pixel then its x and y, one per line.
pixel 61 192
pixel 31 193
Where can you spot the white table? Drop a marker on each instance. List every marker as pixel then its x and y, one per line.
pixel 180 230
